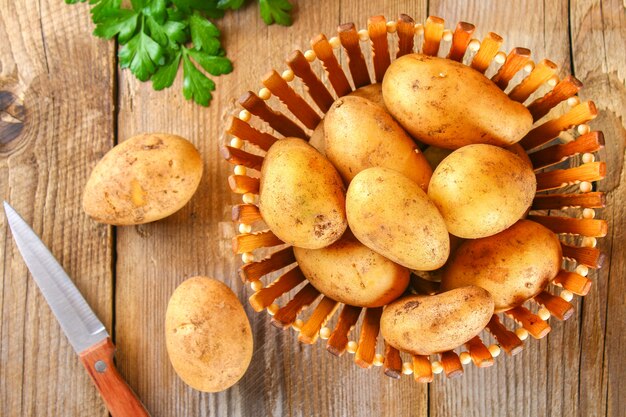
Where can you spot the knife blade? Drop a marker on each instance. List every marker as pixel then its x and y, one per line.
pixel 85 332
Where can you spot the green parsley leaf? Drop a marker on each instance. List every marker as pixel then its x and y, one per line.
pixel 118 22
pixel 156 9
pixel 214 65
pixel 276 11
pixel 157 32
pixel 104 9
pixel 204 34
pixel 208 7
pixel 196 85
pixel 165 75
pixel 175 31
pixel 142 55
pixel 230 4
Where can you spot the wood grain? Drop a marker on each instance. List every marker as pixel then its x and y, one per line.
pixel 62 106
pixel 543 371
pixel 60 84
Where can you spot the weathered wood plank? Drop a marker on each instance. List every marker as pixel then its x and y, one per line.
pixel 56 120
pixel 285 378
pixel 537 381
pixel 598 33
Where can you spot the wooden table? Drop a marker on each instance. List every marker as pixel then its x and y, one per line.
pixel 64 103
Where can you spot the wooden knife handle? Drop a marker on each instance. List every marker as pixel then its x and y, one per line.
pixel 117 395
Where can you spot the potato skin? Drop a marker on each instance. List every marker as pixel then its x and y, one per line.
pixel 143 179
pixel 351 273
pixel 514 265
pixel 372 92
pixel 207 335
pixel 391 215
pixel 427 324
pixel 360 134
pixel 447 104
pixel 481 190
pixel 301 196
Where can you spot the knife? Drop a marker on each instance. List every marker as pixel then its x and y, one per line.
pixel 84 330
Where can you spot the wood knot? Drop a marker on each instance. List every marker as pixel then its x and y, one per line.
pixel 12 117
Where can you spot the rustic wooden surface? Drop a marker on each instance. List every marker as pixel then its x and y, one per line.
pixel 63 103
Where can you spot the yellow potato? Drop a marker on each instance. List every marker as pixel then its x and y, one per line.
pixel 391 215
pixel 372 92
pixel 517 149
pixel 481 190
pixel 427 324
pixel 301 196
pixel 143 179
pixel 360 134
pixel 514 265
pixel 207 335
pixel 351 273
pixel 447 104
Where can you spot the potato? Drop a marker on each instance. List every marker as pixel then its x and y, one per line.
pixel 447 104
pixel 514 265
pixel 391 215
pixel 517 149
pixel 481 190
pixel 372 92
pixel 360 134
pixel 427 324
pixel 143 179
pixel 207 335
pixel 351 273
pixel 301 196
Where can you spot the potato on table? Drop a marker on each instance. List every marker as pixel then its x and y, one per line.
pixel 143 179
pixel 360 134
pixel 481 190
pixel 427 324
pixel 301 196
pixel 207 335
pixel 514 265
pixel 447 104
pixel 351 273
pixel 390 214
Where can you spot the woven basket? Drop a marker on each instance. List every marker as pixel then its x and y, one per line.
pixel 565 167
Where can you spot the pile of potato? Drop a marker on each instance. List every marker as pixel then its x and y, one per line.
pixel 363 206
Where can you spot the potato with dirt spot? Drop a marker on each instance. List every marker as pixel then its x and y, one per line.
pixel 360 134
pixel 481 190
pixel 449 105
pixel 514 265
pixel 390 214
pixel 301 195
pixel 372 92
pixel 143 179
pixel 428 324
pixel 207 335
pixel 351 273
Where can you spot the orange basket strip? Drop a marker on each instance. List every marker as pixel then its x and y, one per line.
pixel 377 29
pixel 488 50
pixel 433 32
pixel 338 339
pixel 406 35
pixel 247 242
pixel 278 121
pixel 583 227
pixel 589 142
pixel 278 260
pixel 336 76
pixel 507 339
pixel 591 257
pixel 542 72
pixel 286 315
pixel 239 157
pixel 422 369
pixel 557 306
pixel 246 213
pixel 296 104
pixel 323 312
pixel 241 184
pixel 349 38
pixel 285 283
pixel 479 353
pixel 367 340
pixel 316 88
pixel 565 89
pixel 515 61
pixel 559 201
pixel 549 180
pixel 460 40
pixel 529 321
pixel 452 365
pixel 244 131
pixel 573 282
pixel 393 362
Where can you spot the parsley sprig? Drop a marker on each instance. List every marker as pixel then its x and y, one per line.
pixel 156 35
